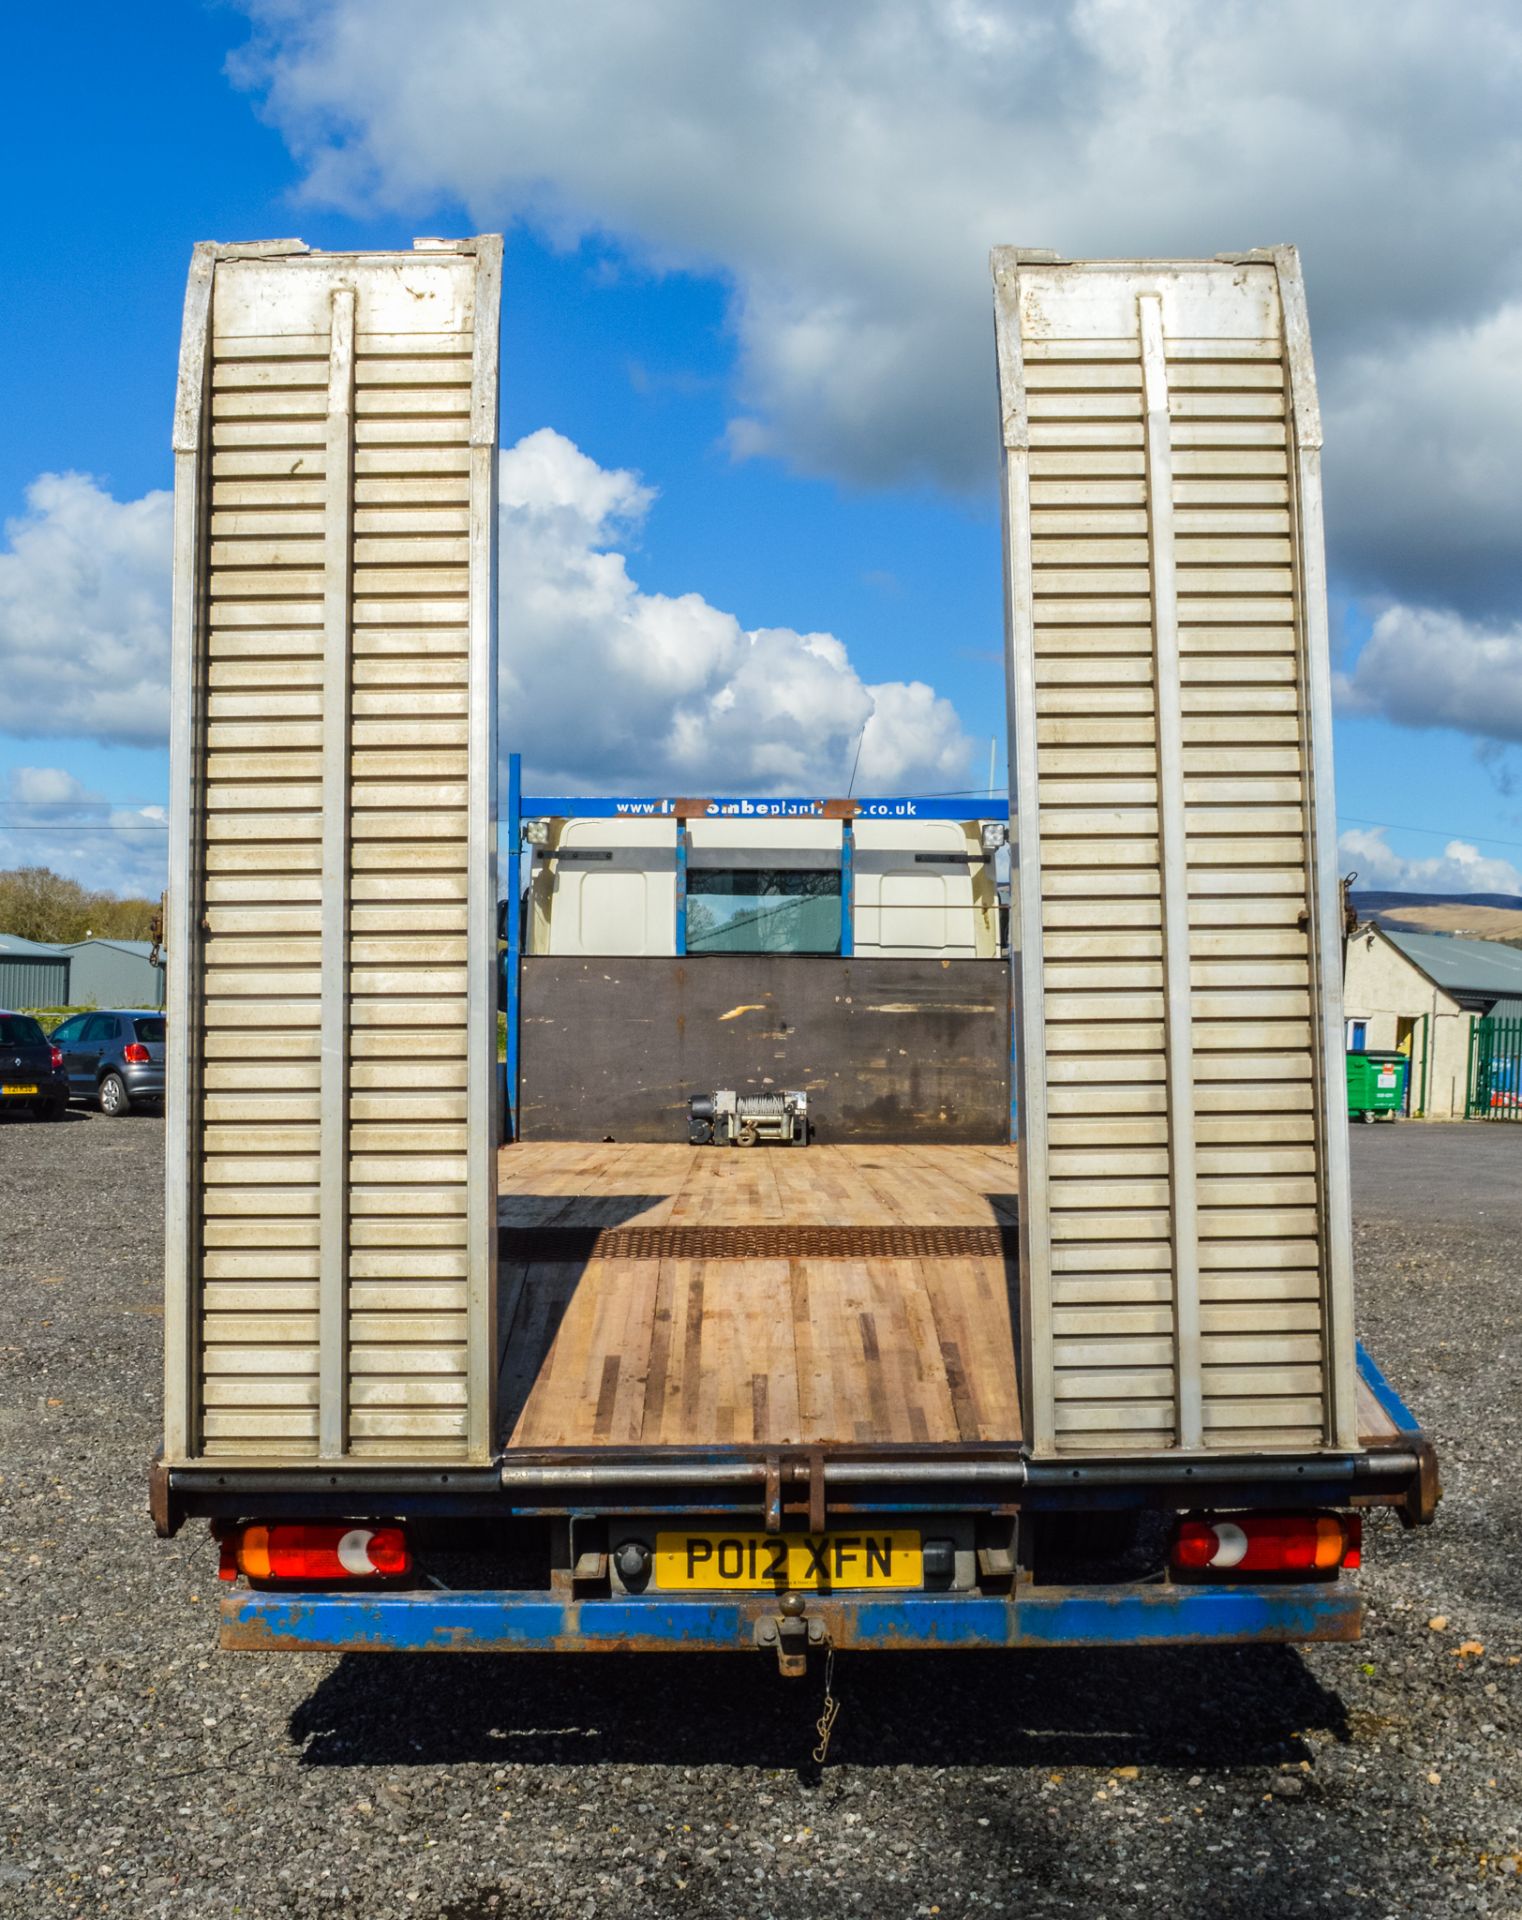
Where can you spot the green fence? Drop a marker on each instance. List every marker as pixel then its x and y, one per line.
pixel 1495 1070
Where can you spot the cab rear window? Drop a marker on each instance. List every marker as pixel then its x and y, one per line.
pixel 20 1030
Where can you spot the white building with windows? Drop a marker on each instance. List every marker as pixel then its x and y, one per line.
pixel 1419 994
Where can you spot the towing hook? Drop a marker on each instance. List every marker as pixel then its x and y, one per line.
pixel 790 1632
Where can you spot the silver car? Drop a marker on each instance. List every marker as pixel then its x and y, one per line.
pixel 115 1059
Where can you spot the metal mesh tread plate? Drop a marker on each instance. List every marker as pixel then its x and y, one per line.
pixel 526 1244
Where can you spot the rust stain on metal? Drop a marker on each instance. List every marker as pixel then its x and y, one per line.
pixel 243 1635
pixel 574 1628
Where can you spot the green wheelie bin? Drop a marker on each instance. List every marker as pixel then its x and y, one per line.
pixel 1376 1085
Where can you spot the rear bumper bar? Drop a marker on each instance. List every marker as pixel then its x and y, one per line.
pixel 538 1623
pixel 677 1481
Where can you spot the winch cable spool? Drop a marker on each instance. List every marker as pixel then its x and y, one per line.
pixel 727 1118
pixel 757 1107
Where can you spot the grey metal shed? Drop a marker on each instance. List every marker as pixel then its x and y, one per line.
pixel 114 973
pixel 79 973
pixel 31 974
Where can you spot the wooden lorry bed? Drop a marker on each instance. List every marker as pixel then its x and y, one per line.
pixel 646 1342
pixel 659 1342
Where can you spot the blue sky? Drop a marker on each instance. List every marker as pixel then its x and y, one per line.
pixel 636 331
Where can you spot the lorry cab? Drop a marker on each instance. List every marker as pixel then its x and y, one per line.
pixel 924 888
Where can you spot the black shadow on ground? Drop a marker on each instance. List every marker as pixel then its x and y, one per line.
pixel 1202 1708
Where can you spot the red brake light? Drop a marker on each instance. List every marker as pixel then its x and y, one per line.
pixel 1269 1542
pixel 135 1053
pixel 313 1553
pixel 55 1059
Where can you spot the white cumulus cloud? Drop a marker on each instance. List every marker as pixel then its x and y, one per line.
pixel 84 613
pixel 602 682
pixel 1426 487
pixel 1430 667
pixel 1459 868
pixel 846 169
pixel 605 684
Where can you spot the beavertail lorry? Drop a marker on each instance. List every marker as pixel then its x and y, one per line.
pixel 913 1384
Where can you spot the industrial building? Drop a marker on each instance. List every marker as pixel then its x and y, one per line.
pixel 1419 994
pixel 79 973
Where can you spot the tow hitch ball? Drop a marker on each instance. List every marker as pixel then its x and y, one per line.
pixel 790 1633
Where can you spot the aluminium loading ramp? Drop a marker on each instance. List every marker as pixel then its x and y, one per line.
pixel 330 1253
pixel 1185 1249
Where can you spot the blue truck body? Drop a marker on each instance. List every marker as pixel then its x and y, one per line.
pixel 1118 1616
pixel 1160 1611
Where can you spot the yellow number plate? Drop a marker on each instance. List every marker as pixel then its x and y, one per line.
pixel 9 1089
pixel 773 1562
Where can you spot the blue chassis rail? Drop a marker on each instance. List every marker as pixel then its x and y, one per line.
pixel 1405 1421
pixel 1121 1616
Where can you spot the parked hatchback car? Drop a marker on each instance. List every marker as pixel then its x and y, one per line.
pixel 115 1059
pixel 31 1068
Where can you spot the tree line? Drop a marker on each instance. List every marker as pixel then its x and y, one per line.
pixel 38 904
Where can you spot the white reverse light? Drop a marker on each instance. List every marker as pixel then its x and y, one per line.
pixel 354 1551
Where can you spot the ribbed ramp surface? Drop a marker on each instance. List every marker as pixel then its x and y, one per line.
pixel 334 910
pixel 1185 1246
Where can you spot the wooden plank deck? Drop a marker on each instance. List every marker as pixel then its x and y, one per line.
pixel 665 1350
pixel 701 1351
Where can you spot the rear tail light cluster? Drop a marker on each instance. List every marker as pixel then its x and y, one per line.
pixel 1241 1543
pixel 314 1553
pixel 55 1059
pixel 136 1054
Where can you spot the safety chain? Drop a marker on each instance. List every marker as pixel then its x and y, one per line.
pixel 825 1724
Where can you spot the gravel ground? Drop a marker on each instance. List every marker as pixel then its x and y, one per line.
pixel 143 1773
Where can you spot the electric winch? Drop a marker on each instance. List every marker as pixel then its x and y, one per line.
pixel 730 1119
